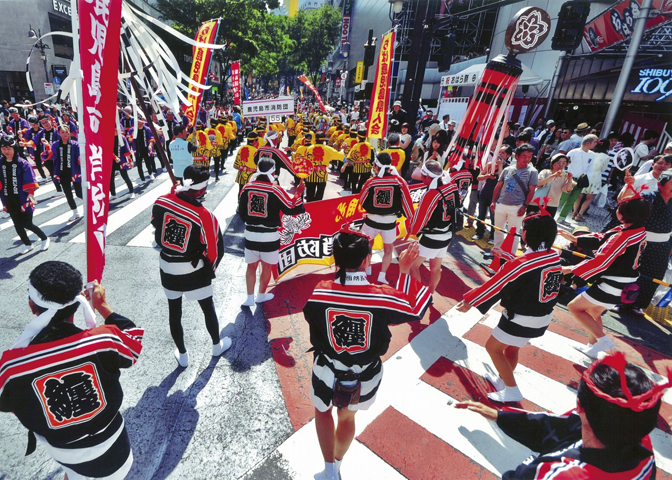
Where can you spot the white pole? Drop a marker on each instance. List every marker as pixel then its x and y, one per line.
pixel 76 71
pixel 621 84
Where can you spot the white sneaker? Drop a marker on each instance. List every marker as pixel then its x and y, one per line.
pixel 223 345
pixel 139 181
pixel 132 196
pixel 508 394
pixel 26 249
pixel 45 245
pixel 249 302
pixel 75 216
pixel 182 358
pixel 5 215
pixel 495 380
pixel 264 297
pixel 602 345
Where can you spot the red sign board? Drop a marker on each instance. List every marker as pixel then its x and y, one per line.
pixel 617 23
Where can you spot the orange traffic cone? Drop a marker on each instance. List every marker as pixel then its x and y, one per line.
pixel 507 247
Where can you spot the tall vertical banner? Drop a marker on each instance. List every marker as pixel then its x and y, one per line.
pixel 312 88
pixel 235 82
pixel 345 24
pixel 207 33
pixel 380 97
pixel 99 38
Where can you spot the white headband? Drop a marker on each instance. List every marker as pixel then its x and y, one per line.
pixel 268 172
pixel 444 175
pixel 188 184
pixel 41 321
pixel 382 168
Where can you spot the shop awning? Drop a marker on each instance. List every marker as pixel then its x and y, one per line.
pixel 469 76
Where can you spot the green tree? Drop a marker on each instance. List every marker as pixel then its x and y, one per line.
pixel 243 26
pixel 314 33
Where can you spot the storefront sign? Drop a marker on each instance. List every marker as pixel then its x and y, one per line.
pixel 380 98
pixel 656 82
pixel 345 24
pixel 48 88
pixel 359 72
pixel 616 23
pixel 273 106
pixel 61 7
pixel 459 80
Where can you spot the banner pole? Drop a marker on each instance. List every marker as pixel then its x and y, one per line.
pixel 81 139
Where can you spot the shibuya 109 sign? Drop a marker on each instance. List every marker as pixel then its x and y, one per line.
pixel 654 82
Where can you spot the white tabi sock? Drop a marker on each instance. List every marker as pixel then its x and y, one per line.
pixel 249 302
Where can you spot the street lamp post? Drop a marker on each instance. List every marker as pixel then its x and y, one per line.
pixel 41 46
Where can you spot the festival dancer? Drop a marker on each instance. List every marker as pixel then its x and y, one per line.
pixel 384 197
pixel 143 145
pixel 321 156
pixel 17 192
pixel 360 157
pixel 606 437
pixel 260 205
pixel 62 382
pixel 534 277
pixel 43 141
pixel 349 329
pixel 65 154
pixel 123 162
pixel 244 162
pixel 433 220
pixel 613 268
pixel 216 144
pixel 192 246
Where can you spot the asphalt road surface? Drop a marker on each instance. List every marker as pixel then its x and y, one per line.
pixel 248 413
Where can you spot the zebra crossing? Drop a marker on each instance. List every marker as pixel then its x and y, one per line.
pixel 52 213
pixel 413 430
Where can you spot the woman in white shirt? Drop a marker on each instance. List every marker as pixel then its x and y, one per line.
pixel 553 182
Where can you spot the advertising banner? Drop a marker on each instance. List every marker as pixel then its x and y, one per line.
pixel 617 23
pixel 307 239
pixel 207 33
pixel 271 106
pixel 235 82
pixel 345 24
pixel 359 72
pixel 380 97
pixel 312 88
pixel 99 38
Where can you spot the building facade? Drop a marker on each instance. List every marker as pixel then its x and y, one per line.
pixel 48 65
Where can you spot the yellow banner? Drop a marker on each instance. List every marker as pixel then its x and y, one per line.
pixel 359 72
pixel 380 97
pixel 199 66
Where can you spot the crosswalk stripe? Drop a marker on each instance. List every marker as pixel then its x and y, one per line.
pixel 465 432
pixel 132 210
pixel 39 210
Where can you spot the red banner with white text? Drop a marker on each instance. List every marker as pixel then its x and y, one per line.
pixel 312 88
pixel 306 239
pixel 207 33
pixel 380 97
pixel 235 82
pixel 99 37
pixel 617 23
